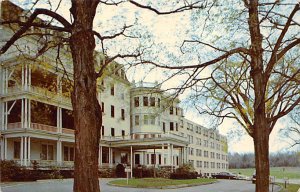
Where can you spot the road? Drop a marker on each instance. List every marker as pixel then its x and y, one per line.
pixel 66 186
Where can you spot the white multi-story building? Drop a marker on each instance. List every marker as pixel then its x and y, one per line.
pixel 141 124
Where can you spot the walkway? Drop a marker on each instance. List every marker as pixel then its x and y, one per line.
pixel 66 186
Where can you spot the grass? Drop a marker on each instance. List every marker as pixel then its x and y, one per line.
pixel 159 182
pixel 290 172
pixel 290 187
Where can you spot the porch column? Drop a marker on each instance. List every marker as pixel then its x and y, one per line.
pixel 59 119
pixel 29 146
pixel 25 113
pixel 29 77
pixel 162 154
pixel 131 162
pixel 186 154
pixel 2 108
pixel 23 77
pixel 22 113
pixel 21 151
pixel 25 151
pixel 5 148
pixel 26 77
pixel 109 156
pixel 6 80
pixel 172 157
pixel 2 148
pixel 169 155
pixel 6 116
pixel 100 155
pixel 142 158
pixel 58 152
pixel 29 113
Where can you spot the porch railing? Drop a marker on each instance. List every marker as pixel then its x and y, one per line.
pixel 42 92
pixel 138 136
pixel 42 127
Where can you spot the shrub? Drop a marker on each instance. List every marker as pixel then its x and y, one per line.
pixel 186 171
pixel 120 171
pixel 191 175
pixel 143 172
pixel 8 170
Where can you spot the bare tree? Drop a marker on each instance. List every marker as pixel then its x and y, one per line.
pixel 254 68
pixel 293 131
pixel 79 35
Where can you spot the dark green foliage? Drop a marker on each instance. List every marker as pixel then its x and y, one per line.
pixel 143 172
pixel 107 172
pixel 8 170
pixel 11 171
pixel 120 171
pixel 191 175
pixel 186 171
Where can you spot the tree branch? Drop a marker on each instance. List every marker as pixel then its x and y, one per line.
pixel 28 24
pixel 181 9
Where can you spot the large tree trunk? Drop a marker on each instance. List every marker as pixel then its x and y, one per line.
pixel 87 111
pixel 261 146
pixel 260 127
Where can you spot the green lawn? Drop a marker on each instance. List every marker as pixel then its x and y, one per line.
pixel 159 182
pixel 290 188
pixel 290 172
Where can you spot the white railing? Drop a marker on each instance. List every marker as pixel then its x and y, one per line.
pixel 41 92
pixel 43 127
pixel 68 131
pixel 16 125
pixel 139 136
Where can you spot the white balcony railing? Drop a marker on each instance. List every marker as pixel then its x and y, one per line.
pixel 139 136
pixel 42 127
pixel 43 92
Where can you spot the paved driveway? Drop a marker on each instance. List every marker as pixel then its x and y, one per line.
pixel 66 186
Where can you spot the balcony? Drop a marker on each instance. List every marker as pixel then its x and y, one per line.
pixel 41 127
pixel 41 92
pixel 144 136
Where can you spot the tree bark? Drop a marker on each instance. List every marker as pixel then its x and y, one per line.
pixel 87 111
pixel 260 124
pixel 261 146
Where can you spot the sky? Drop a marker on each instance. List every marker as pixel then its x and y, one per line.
pixel 167 32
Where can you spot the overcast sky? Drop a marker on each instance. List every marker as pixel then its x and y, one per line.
pixel 167 32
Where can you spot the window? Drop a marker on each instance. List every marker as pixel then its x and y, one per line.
pixel 171 126
pixel 47 152
pixel 102 130
pixel 158 102
pixel 152 158
pixel 176 111
pixel 152 101
pixel 171 111
pixel 123 114
pixel 176 126
pixel 17 147
pixel 68 153
pixel 112 132
pixel 152 120
pixel 136 101
pixel 102 107
pixel 123 132
pixel 112 111
pixel 112 89
pixel 164 127
pixel 137 120
pixel 145 101
pixel 146 119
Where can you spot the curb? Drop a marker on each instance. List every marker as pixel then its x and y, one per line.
pixel 163 187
